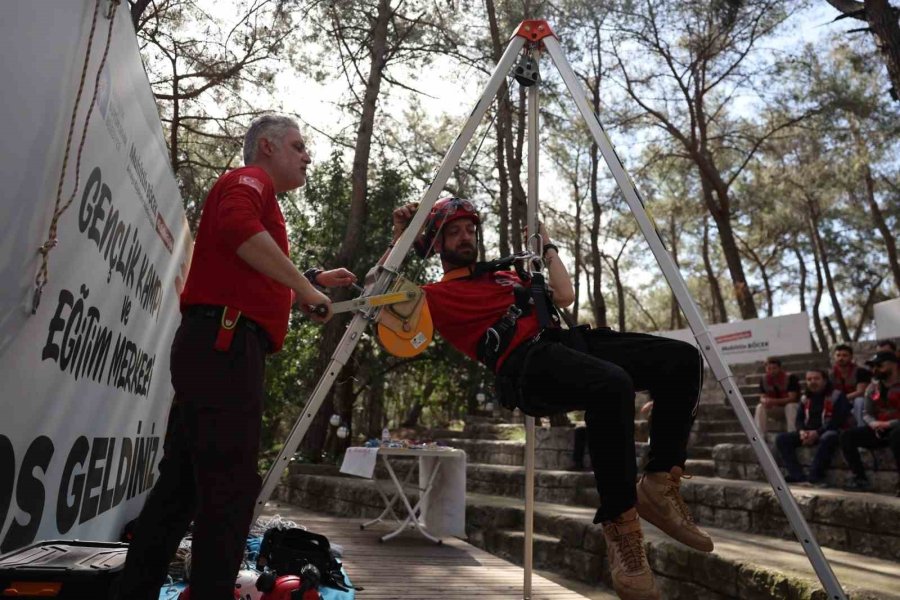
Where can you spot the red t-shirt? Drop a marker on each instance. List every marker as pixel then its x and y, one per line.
pixel 240 205
pixel 463 308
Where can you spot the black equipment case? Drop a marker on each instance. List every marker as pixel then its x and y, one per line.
pixel 66 570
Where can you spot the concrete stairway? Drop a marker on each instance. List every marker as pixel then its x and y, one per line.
pixel 755 557
pixel 744 565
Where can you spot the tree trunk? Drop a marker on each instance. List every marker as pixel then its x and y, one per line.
pixel 589 278
pixel 501 126
pixel 718 202
pixel 577 247
pixel 176 118
pixel 598 304
pixel 415 411
pixel 802 283
pixel 137 9
pixel 514 148
pixel 882 19
pixel 360 174
pixel 620 294
pixel 742 292
pixel 820 286
pixel 375 411
pixel 719 312
pixel 674 310
pixel 831 331
pixel 890 242
pixel 761 265
pixel 802 289
pixel 334 329
pixel 814 214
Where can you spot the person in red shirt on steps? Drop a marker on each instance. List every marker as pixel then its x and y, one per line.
pixel 493 315
pixel 235 309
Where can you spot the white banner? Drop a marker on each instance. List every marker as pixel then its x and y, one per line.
pixel 887 319
pixel 755 339
pixel 85 379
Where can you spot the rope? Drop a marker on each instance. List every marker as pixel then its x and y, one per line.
pixel 52 241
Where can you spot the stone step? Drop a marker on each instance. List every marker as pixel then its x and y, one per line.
pixel 443 434
pixel 738 461
pixel 494 431
pixel 498 452
pixel 866 523
pixel 700 452
pixel 716 412
pixel 750 393
pixel 694 452
pixel 548 552
pixel 700 467
pixel 554 449
pixel 743 566
pixel 714 439
pixel 717 426
pixel 491 419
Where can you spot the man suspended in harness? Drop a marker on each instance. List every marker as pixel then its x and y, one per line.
pixel 506 320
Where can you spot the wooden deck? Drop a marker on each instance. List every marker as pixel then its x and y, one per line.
pixel 410 567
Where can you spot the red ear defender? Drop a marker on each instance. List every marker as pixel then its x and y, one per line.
pixel 445 210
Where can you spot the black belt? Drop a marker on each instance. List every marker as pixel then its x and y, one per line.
pixel 212 311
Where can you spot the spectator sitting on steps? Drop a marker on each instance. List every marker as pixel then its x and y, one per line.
pixel 850 379
pixel 780 393
pixel 823 413
pixel 881 416
pixel 887 346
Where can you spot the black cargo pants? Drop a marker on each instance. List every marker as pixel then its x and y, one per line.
pixel 598 371
pixel 208 473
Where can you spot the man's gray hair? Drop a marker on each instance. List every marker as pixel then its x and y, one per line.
pixel 271 126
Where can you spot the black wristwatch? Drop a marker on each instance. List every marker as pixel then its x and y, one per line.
pixel 550 247
pixel 311 275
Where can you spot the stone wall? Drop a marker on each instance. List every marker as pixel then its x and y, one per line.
pixel 738 461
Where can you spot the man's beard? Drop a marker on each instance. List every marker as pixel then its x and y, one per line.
pixel 461 257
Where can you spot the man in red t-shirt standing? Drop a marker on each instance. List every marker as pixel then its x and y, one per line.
pixel 235 309
pixel 494 316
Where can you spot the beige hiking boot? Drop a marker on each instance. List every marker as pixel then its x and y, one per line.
pixel 631 575
pixel 660 503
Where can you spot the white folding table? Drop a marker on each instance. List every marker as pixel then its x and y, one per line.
pixel 441 504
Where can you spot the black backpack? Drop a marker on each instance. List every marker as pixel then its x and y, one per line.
pixel 287 551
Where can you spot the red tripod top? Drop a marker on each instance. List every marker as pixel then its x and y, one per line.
pixel 534 30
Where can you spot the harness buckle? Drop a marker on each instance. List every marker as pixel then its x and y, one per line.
pixel 514 312
pixel 492 339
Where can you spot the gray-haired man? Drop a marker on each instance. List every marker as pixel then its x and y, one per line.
pixel 235 309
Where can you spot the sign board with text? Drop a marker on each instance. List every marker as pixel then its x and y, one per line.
pixel 85 377
pixel 755 339
pixel 887 319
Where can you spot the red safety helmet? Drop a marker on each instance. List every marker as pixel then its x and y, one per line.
pixel 284 585
pixel 444 211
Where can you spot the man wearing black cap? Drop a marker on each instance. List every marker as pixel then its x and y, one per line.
pixel 881 416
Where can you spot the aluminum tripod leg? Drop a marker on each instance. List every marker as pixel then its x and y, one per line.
pixel 533 243
pixel 701 333
pixel 528 550
pixel 386 275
